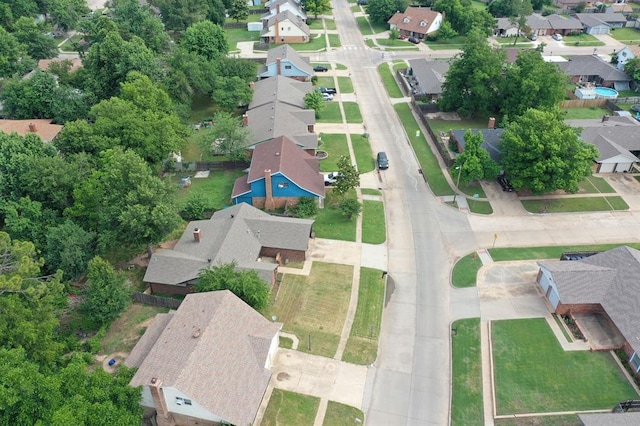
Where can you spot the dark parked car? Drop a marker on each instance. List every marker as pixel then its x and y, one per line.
pixel 363 2
pixel 636 108
pixel 320 68
pixel 505 184
pixel 382 161
pixel 329 90
pixel 414 40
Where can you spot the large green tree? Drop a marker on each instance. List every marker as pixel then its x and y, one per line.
pixel 38 44
pixel 124 202
pixel 231 92
pixel 475 163
pixel 238 10
pixel 531 82
pixel 177 16
pixel 134 19
pixel 473 80
pixel 69 248
pixel 463 17
pixel 543 154
pixel 246 284
pixel 227 137
pixel 66 14
pixel 314 100
pixel 13 56
pixel 381 10
pixel 206 39
pixel 106 293
pixel 632 68
pixel 509 8
pixel 317 7
pixel 348 176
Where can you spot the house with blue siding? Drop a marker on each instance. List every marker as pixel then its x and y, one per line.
pixel 286 61
pixel 280 173
pixel 606 284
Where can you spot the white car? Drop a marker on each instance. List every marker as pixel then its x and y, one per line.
pixel 557 37
pixel 331 178
pixel 327 96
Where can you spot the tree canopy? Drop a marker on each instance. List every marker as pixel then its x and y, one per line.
pixel 381 10
pixel 348 176
pixel 474 162
pixel 543 154
pixel 205 39
pixel 246 284
pixel 227 137
pixel 463 17
pixel 106 292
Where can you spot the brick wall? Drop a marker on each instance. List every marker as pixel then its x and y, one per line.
pixel 170 289
pixel 279 202
pixel 291 255
pixel 579 308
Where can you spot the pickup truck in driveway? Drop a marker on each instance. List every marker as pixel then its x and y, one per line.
pixel 329 90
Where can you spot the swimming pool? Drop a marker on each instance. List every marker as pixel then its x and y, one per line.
pixel 606 93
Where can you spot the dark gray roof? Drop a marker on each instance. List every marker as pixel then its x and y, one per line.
pixel 592 65
pixel 236 234
pixel 286 53
pixel 558 22
pixel 537 22
pixel 429 74
pixel 214 349
pixel 491 141
pixel 609 278
pixel 610 149
pixel 591 19
pixel 504 24
pixel 282 89
pixel 622 132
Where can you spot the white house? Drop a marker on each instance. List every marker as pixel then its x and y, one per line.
pixel 285 27
pixel 625 54
pixel 278 6
pixel 416 22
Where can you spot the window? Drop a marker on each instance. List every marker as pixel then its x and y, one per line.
pixel 624 54
pixel 423 24
pixel 283 185
pixel 405 20
pixel 287 67
pixel 635 362
pixel 181 401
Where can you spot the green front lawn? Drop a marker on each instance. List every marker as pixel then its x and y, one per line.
pixel 338 414
pixel 315 24
pixel 533 374
pixel 370 191
pixel 428 162
pixel 363 25
pixel 334 40
pixel 479 206
pixel 216 189
pixel 549 252
pixel 345 85
pixel 389 81
pixel 331 223
pixel 352 111
pixel 582 40
pixel 470 188
pixel 362 346
pixel 452 43
pixel 568 420
pixel 324 82
pixel 314 307
pixel 594 185
pixel 582 113
pixel 466 270
pixel 363 153
pixel 466 398
pixel 627 35
pixel 318 42
pixel 438 126
pixel 330 113
pixel 290 408
pixel 374 230
pixel 586 204
pixel 69 45
pixel 234 35
pixel 336 146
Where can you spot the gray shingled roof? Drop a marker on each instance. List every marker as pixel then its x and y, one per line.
pixel 609 149
pixel 558 22
pixel 280 88
pixel 591 19
pixel 623 132
pixel 504 24
pixel 283 16
pixel 286 52
pixel 235 234
pixel 537 22
pixel 429 74
pixel 214 350
pixel 148 339
pixel 491 141
pixel 609 278
pixel 592 65
pixel 275 119
pixel 610 419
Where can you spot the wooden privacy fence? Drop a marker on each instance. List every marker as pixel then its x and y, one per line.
pixel 149 299
pixel 583 103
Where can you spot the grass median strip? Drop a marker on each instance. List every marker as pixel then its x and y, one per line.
pixel 373 225
pixel 582 204
pixel 389 81
pixel 466 270
pixel 466 398
pixel 363 153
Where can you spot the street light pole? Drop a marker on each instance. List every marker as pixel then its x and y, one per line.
pixel 455 194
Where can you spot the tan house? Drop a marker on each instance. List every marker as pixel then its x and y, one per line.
pixel 40 127
pixel 207 363
pixel 285 27
pixel 416 22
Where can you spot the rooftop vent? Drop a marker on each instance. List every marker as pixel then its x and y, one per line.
pixel 196 235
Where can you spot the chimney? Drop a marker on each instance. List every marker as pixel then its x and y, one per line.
pixel 196 235
pixel 279 66
pixel 278 8
pixel 269 204
pixel 158 398
pixel 605 118
pixel 32 128
pixel 492 123
pixel 245 120
pixel 277 30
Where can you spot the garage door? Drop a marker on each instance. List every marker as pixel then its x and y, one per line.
pixel 553 297
pixel 606 167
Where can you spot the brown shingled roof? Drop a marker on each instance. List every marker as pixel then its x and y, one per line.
pixel 415 16
pixel 41 127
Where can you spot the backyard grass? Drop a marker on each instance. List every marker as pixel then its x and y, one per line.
pixel 336 146
pixel 345 85
pixel 369 191
pixel 125 331
pixel 352 111
pixel 202 107
pixel 363 153
pixel 290 408
pixel 466 398
pixel 215 189
pixel 564 205
pixel 479 206
pixel 330 113
pixel 192 151
pixel 334 40
pixel 69 45
pixel 567 420
pixel 338 414
pixel 389 81
pixel 466 270
pixel 331 223
pixel 362 346
pixel 234 35
pixel 445 125
pixel 582 40
pixel 317 43
pixel 374 230
pixel 626 35
pixel 594 185
pixel 426 158
pixel 314 307
pixel 582 113
pixel 533 374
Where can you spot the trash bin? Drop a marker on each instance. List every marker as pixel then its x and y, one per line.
pixel 112 361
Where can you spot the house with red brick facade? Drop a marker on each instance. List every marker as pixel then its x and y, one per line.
pixel 605 284
pixel 251 238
